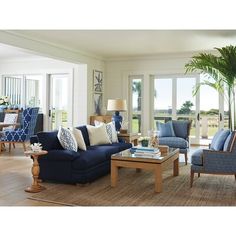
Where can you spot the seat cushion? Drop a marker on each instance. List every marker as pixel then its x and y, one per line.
pixel 174 142
pixel 122 146
pixel 196 158
pixel 94 155
pixel 165 129
pixel 218 142
pixel 181 128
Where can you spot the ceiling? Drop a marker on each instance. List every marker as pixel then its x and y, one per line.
pixel 130 43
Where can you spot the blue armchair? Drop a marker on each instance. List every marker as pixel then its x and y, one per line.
pixel 220 158
pixel 23 134
pixel 175 134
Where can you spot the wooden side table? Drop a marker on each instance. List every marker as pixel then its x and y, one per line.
pixel 35 187
pixel 129 138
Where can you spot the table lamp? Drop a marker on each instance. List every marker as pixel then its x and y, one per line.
pixel 117 105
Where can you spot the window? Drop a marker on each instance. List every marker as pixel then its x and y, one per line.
pixel 136 104
pixel 23 90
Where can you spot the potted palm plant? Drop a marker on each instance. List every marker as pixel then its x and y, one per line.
pixel 222 69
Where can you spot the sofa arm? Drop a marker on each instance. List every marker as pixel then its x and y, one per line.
pixel 61 155
pixel 219 161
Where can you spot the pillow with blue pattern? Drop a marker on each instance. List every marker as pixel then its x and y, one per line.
pixel 67 139
pixel 111 130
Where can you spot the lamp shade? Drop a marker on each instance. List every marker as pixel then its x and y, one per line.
pixel 116 105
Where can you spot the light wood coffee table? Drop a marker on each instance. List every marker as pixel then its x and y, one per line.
pixel 128 160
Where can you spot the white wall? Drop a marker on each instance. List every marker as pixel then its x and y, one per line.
pixel 117 72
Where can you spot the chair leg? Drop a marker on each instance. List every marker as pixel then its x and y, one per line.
pixel 186 158
pixel 191 178
pixel 235 176
pixel 24 146
pixel 198 175
pixel 9 147
pixel 14 145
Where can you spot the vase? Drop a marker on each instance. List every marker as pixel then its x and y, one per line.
pixel 144 143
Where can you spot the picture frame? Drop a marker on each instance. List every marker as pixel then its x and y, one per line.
pixel 97 81
pixel 98 103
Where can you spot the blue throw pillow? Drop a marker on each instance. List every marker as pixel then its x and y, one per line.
pixel 220 140
pixel 215 138
pixel 228 141
pixel 165 130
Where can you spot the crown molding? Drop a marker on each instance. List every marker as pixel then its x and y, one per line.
pixel 74 53
pixel 159 56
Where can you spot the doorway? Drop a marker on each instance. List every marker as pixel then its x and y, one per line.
pixel 60 100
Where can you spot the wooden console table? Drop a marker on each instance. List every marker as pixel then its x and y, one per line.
pixel 104 119
pixel 129 137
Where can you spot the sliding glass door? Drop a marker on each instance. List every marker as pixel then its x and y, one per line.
pixel 174 99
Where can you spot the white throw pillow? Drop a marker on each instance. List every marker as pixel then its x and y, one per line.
pixel 98 135
pixel 111 130
pixel 79 138
pixel 67 139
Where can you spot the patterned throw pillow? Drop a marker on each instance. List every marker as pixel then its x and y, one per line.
pixel 67 139
pixel 98 135
pixel 111 130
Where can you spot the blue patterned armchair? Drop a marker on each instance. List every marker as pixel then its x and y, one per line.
pixel 23 134
pixel 220 158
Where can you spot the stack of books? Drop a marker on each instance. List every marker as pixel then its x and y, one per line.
pixel 146 152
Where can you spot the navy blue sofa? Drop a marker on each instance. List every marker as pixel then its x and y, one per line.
pixel 65 166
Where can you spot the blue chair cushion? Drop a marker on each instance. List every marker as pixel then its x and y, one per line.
pixel 228 141
pixel 196 158
pixel 174 142
pixel 219 140
pixel 165 129
pixel 217 134
pixel 181 128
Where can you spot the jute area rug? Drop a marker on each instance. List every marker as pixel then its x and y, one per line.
pixel 137 189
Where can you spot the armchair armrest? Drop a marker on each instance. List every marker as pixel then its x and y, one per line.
pixel 219 161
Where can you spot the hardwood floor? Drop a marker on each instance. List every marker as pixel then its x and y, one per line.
pixel 15 176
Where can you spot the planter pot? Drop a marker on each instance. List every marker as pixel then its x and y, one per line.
pixel 144 143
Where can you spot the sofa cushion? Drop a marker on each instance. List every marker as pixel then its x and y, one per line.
pixel 85 134
pixel 79 138
pixel 67 139
pixel 215 138
pixel 219 140
pixel 174 142
pixel 165 129
pixel 122 146
pixel 181 128
pixel 98 135
pixel 89 159
pixel 111 130
pixel 49 140
pixel 196 158
pixel 61 155
pixel 228 142
pixel 108 150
